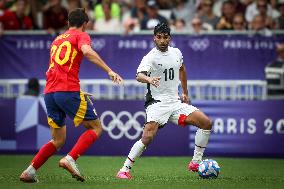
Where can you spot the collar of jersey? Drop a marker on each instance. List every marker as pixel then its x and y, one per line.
pixel 162 53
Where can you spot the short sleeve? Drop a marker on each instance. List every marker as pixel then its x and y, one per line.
pixel 145 65
pixel 83 39
pixel 180 56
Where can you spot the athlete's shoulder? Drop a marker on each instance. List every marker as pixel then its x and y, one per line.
pixel 151 53
pixel 148 57
pixel 175 50
pixel 82 33
pixel 81 37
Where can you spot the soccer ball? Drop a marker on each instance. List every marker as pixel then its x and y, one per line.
pixel 208 168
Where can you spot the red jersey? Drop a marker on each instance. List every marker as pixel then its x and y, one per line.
pixel 65 59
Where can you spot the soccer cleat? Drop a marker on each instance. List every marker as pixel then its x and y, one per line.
pixel 72 168
pixel 29 178
pixel 123 175
pixel 192 166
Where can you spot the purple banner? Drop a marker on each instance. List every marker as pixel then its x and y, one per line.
pixel 246 128
pixel 241 128
pixel 206 57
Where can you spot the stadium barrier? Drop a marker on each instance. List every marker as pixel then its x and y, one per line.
pixel 133 90
pixel 240 128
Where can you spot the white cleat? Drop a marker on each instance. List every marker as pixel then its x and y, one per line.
pixel 72 168
pixel 29 178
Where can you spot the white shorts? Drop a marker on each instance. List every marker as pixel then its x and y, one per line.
pixel 162 112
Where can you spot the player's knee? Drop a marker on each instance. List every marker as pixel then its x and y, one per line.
pixel 58 143
pixel 207 124
pixel 146 140
pixel 149 133
pixel 94 125
pixel 98 130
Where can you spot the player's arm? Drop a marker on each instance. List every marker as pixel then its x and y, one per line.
pixel 183 80
pixel 93 57
pixel 143 78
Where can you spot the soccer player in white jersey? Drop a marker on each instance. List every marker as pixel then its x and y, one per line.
pixel 162 69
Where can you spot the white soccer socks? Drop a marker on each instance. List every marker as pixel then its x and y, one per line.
pixel 31 170
pixel 69 158
pixel 135 152
pixel 201 141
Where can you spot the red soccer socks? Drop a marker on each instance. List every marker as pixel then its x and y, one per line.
pixel 43 154
pixel 83 143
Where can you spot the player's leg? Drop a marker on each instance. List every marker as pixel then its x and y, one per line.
pixel 189 115
pixel 56 120
pixel 149 132
pixel 157 114
pixel 46 151
pixel 204 124
pixel 83 113
pixel 93 132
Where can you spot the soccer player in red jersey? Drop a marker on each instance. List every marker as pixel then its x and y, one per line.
pixel 63 96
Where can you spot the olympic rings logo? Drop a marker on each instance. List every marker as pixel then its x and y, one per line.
pixel 116 123
pixel 98 44
pixel 199 44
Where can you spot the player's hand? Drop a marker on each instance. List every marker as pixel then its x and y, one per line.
pixel 185 98
pixel 88 94
pixel 155 81
pixel 115 77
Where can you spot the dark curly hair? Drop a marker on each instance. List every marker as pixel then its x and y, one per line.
pixel 162 28
pixel 77 17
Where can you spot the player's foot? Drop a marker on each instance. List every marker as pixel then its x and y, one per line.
pixel 193 166
pixel 27 177
pixel 72 168
pixel 123 175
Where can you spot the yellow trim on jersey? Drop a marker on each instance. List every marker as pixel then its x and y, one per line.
pixel 80 115
pixel 52 124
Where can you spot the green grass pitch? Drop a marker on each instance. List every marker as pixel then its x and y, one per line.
pixel 148 173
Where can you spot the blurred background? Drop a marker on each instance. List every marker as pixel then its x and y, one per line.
pixel 233 51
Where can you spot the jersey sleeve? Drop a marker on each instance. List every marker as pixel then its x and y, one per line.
pixel 83 39
pixel 180 57
pixel 145 65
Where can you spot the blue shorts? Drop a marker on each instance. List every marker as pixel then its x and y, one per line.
pixel 74 104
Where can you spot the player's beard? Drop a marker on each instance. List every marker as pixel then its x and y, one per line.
pixel 163 47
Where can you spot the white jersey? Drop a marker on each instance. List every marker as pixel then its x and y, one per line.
pixel 165 65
